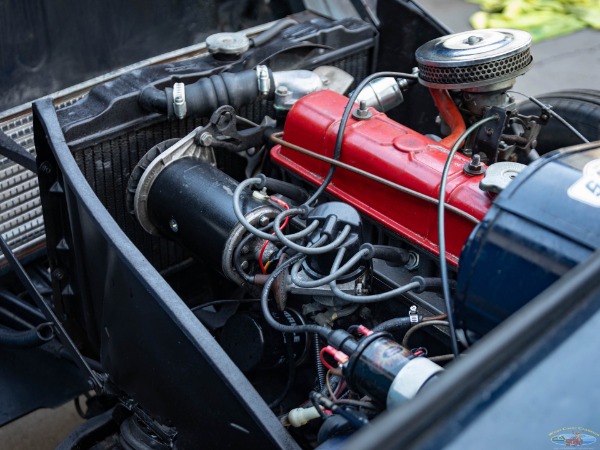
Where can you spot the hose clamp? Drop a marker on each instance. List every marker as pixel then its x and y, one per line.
pixel 263 79
pixel 179 104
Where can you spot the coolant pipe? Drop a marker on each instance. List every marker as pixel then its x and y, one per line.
pixel 450 114
pixel 205 95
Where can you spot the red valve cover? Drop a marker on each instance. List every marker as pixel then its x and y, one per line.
pixel 392 151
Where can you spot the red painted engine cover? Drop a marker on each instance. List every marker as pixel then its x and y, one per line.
pixel 392 151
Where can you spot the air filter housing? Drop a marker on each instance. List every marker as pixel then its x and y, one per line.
pixel 476 60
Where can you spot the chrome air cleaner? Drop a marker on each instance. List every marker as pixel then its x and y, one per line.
pixel 478 60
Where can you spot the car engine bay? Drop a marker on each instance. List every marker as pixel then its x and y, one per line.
pixel 335 232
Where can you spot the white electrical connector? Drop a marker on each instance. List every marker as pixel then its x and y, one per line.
pixel 301 416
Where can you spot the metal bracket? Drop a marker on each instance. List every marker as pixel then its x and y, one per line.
pixel 221 132
pixel 186 147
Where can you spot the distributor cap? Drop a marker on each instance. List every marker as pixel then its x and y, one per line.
pixel 488 58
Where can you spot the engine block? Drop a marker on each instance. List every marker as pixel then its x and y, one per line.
pixel 391 151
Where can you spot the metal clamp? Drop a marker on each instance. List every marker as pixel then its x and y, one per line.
pixel 263 79
pixel 413 314
pixel 179 104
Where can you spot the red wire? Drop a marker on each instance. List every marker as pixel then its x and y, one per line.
pixel 323 360
pixel 260 256
pixel 284 205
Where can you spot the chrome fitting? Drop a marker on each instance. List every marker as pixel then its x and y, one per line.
pixel 179 104
pixel 264 80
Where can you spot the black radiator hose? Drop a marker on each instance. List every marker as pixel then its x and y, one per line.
pixel 206 94
pixel 33 337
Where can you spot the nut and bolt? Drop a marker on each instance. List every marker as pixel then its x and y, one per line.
pixel 173 225
pixel 206 139
pixel 263 221
pixel 362 112
pixel 474 167
pixel 413 261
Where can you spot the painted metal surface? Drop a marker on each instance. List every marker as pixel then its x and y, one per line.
pixel 392 151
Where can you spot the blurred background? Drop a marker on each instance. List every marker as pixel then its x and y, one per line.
pixel 48 46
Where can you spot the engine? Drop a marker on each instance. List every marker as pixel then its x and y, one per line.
pixel 339 257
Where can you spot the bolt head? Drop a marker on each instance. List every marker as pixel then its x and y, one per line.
pixel 173 225
pixel 206 139
pixel 46 168
pixel 263 221
pixel 244 265
pixel 58 274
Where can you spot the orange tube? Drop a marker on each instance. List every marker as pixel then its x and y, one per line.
pixel 450 114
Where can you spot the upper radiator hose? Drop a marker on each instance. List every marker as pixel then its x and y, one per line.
pixel 207 94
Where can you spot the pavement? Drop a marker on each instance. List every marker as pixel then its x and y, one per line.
pixel 567 62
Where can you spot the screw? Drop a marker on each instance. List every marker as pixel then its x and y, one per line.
pixel 413 309
pixel 46 168
pixel 263 221
pixel 173 225
pixel 58 274
pixel 206 139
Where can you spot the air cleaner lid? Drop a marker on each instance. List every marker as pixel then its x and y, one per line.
pixel 474 58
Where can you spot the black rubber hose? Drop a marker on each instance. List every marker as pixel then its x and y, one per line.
pixel 286 189
pixel 205 95
pixel 431 284
pixel 33 337
pixel 393 255
pixel 394 324
pixel 153 100
pixel 266 36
